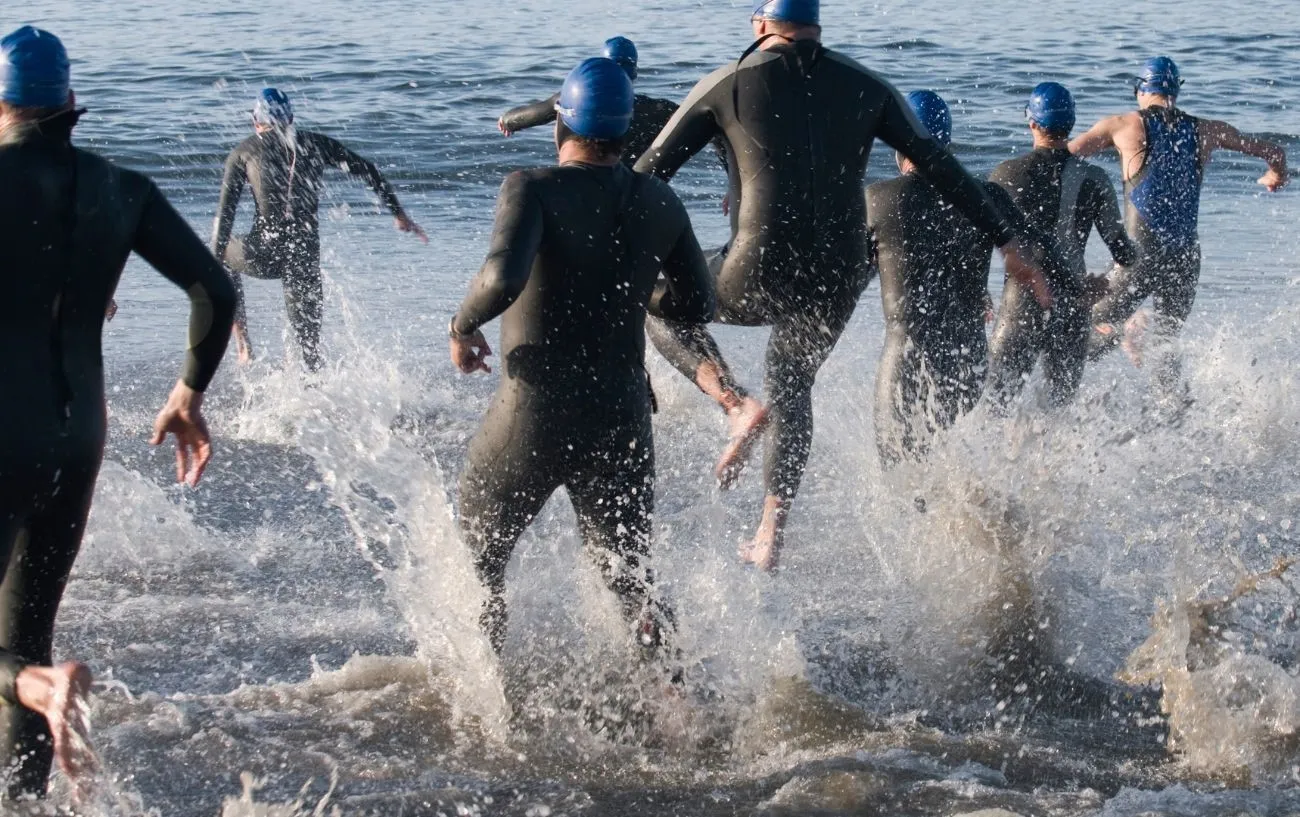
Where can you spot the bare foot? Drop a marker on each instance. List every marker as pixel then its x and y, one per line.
pixel 764 550
pixel 61 695
pixel 1134 332
pixel 747 421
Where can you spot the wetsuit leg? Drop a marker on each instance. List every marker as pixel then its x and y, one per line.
pixel 246 257
pixel 1129 286
pixel 613 497
pixel 502 489
pixel 1173 295
pixel 898 393
pixel 1065 350
pixel 687 346
pixel 798 347
pixel 304 298
pixel 38 545
pixel 1013 351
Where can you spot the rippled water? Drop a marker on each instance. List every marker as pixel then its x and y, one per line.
pixel 298 635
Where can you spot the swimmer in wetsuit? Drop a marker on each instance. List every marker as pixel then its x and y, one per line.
pixel 1163 152
pixel 934 267
pixel 68 222
pixel 799 120
pixel 576 254
pixel 284 166
pixel 648 118
pixel 1065 197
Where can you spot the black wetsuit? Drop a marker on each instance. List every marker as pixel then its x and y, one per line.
pixel 68 222
pixel 575 256
pixel 799 121
pixel 1065 197
pixel 1162 203
pixel 649 115
pixel 284 241
pixel 934 269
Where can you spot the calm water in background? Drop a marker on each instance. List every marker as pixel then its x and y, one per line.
pixel 308 615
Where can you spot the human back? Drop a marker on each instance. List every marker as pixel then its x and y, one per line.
pixel 69 220
pixel 576 328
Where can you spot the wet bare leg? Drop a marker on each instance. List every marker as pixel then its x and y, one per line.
pixel 746 419
pixel 764 550
pixel 61 695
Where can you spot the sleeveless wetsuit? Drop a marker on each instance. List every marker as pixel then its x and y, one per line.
pixel 68 222
pixel 799 121
pixel 934 268
pixel 1162 209
pixel 575 257
pixel 1065 197
pixel 284 241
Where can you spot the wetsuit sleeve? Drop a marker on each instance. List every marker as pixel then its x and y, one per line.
pixel 336 153
pixel 686 134
pixel 166 241
pixel 900 130
pixel 1103 212
pixel 530 116
pixel 685 294
pixel 232 187
pixel 516 237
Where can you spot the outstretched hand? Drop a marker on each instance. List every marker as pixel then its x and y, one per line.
pixel 1274 181
pixel 501 126
pixel 111 311
pixel 182 417
pixel 469 352
pixel 406 225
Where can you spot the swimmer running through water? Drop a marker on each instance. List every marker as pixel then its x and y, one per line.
pixel 69 220
pixel 934 268
pixel 575 264
pixel 799 120
pixel 1065 197
pixel 1163 152
pixel 284 165
pixel 648 118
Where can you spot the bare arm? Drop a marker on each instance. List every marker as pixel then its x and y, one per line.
pixel 1216 134
pixel 1099 137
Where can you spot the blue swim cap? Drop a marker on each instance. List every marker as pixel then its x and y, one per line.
pixel 622 51
pixel 596 100
pixel 1159 75
pixel 273 108
pixel 1051 107
pixel 807 12
pixel 34 70
pixel 933 112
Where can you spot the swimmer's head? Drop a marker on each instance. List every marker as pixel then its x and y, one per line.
pixel 933 112
pixel 596 100
pixel 802 12
pixel 34 70
pixel 1159 77
pixel 272 110
pixel 1051 108
pixel 622 51
pixel 787 19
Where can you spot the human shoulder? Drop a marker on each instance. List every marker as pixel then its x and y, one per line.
pixel 856 69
